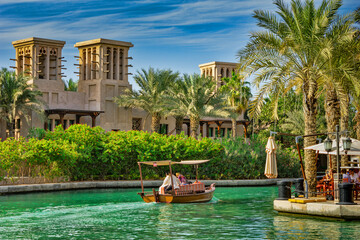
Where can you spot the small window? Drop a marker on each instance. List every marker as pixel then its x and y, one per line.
pixel 136 124
pixel 164 128
pixel 71 122
pixel 57 122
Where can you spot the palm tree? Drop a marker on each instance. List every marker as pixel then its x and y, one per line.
pixel 340 76
pixel 294 51
pixel 238 95
pixel 70 85
pixel 17 97
pixel 153 84
pixel 356 97
pixel 197 98
pixel 174 105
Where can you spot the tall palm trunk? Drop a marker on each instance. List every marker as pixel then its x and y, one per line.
pixel 344 123
pixel 332 113
pixel 155 122
pixel 194 125
pixel 310 112
pixel 233 126
pixel 178 124
pixel 356 119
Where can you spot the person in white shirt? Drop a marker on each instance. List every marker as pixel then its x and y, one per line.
pixel 353 177
pixel 167 183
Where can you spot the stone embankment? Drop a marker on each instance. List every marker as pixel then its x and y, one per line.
pixel 47 187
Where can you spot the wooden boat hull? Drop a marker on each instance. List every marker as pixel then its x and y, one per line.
pixel 189 198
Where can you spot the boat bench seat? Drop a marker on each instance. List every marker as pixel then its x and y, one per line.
pixel 191 188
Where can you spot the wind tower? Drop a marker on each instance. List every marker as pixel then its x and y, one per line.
pixel 41 60
pixel 103 75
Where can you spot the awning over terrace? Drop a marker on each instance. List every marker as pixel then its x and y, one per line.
pixel 218 121
pixel 78 114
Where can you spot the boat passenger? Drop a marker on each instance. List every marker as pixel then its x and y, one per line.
pixel 167 183
pixel 182 179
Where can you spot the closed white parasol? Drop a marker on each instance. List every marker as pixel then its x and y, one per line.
pixel 270 166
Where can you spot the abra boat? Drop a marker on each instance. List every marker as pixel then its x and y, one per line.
pixel 191 193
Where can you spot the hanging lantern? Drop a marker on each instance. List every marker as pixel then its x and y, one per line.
pixel 328 144
pixel 347 144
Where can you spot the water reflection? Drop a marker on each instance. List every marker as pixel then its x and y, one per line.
pixel 235 213
pixel 297 227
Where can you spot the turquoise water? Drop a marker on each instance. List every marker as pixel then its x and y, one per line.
pixel 235 213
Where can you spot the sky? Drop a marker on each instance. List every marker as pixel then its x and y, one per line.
pixel 177 35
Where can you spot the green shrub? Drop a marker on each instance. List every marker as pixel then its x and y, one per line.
pixel 38 133
pixel 247 160
pixel 11 156
pixel 85 153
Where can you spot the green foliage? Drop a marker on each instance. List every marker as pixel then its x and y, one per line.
pixel 17 97
pixel 247 160
pixel 153 84
pixel 70 85
pixel 35 132
pixel 11 155
pixel 237 92
pixel 85 153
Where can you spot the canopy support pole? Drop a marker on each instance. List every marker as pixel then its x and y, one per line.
pixel 172 181
pixel 141 179
pixel 196 167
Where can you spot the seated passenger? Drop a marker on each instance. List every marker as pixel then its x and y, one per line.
pixel 167 183
pixel 182 179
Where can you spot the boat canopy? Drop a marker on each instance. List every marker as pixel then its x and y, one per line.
pixel 167 162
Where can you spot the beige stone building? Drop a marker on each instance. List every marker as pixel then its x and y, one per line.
pixel 103 74
pixel 219 70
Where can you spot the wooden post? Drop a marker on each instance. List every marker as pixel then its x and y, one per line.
pixel 62 119
pixel 156 197
pixel 207 130
pixel 218 123
pixel 202 129
pixel 141 179
pixel 93 117
pixel 245 129
pixel 172 181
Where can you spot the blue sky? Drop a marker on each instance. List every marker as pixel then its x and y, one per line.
pixel 178 35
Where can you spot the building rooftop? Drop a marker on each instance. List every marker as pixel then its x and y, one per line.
pixel 34 40
pixel 103 41
pixel 217 63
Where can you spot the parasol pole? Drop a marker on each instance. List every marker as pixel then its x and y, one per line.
pixel 141 179
pixel 302 166
pixel 172 181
